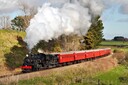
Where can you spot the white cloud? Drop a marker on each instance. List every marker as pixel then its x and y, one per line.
pixel 8 6
pixel 123 5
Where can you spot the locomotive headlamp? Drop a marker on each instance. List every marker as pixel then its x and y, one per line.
pixel 26 55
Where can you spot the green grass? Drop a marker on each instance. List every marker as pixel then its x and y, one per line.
pixel 38 81
pixel 67 77
pixel 114 43
pixel 112 77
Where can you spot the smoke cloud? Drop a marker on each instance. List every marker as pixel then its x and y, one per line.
pixel 72 16
pixel 52 21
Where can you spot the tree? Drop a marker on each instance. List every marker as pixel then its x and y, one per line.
pixel 63 43
pixel 119 38
pixel 18 23
pixel 29 11
pixel 70 42
pixel 95 34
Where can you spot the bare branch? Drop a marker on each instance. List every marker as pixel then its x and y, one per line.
pixel 29 11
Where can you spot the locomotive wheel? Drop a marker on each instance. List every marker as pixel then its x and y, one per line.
pixel 36 67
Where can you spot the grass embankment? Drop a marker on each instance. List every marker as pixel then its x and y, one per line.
pixel 113 77
pixel 8 43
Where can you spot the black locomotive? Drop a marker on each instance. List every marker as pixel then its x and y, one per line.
pixel 34 62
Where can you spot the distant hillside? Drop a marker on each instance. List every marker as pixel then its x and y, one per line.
pixel 9 42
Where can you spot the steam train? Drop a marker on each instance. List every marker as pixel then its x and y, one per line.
pixel 34 62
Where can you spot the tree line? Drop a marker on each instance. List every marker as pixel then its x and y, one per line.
pixel 120 38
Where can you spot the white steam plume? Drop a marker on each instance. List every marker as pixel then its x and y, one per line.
pixel 51 22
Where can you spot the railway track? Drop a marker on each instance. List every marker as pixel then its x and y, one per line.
pixel 3 76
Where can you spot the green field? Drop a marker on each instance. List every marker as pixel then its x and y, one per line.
pixel 114 43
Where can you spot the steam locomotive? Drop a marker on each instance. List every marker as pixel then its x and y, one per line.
pixel 34 62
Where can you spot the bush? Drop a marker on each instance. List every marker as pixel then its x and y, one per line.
pixel 125 63
pixel 126 56
pixel 15 57
pixel 124 78
pixel 119 55
pixel 118 51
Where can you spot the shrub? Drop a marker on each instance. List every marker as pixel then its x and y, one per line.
pixel 126 56
pixel 119 55
pixel 124 78
pixel 118 51
pixel 15 57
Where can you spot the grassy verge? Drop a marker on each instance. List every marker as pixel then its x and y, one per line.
pixel 112 77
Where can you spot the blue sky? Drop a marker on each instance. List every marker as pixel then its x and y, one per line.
pixel 115 23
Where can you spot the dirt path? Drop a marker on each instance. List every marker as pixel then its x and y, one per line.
pixel 101 64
